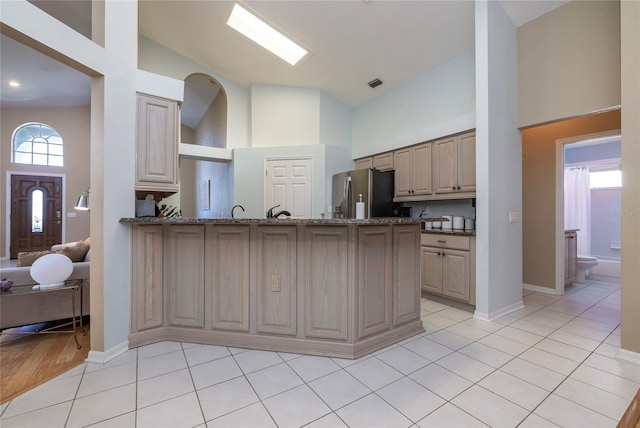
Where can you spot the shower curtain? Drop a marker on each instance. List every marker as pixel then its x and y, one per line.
pixel 577 206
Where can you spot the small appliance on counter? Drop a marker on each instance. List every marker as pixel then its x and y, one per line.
pixel 458 222
pixel 447 222
pixel 469 224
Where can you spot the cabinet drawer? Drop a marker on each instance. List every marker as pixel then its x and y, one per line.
pixel 445 241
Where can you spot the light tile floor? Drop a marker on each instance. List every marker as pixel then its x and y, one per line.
pixel 551 363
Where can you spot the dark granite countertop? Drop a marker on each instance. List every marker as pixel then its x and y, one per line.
pixel 314 221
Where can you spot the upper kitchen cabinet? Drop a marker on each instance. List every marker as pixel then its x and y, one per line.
pixel 454 164
pixel 157 145
pixel 413 171
pixel 382 162
pixel 364 163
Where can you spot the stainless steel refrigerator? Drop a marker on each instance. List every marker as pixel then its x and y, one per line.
pixel 376 188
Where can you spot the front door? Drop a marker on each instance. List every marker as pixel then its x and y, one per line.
pixel 36 213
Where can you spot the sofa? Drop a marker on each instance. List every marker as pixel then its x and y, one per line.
pixel 40 307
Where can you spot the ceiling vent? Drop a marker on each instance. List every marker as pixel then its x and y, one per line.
pixel 375 82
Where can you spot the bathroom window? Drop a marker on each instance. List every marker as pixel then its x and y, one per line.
pixel 605 179
pixel 37 144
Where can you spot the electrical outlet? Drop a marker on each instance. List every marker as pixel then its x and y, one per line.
pixel 276 283
pixel 513 216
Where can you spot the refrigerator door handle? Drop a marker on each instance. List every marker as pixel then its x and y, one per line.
pixel 347 196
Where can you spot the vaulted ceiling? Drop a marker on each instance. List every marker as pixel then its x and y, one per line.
pixel 351 42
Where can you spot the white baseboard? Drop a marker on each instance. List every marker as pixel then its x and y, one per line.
pixel 108 355
pixel 493 315
pixel 629 356
pixel 539 289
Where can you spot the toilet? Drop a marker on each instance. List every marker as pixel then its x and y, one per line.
pixel 584 264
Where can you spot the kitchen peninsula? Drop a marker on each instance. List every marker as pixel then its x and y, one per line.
pixel 341 288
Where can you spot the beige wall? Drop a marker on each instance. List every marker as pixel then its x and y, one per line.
pixel 630 289
pixel 73 125
pixel 539 191
pixel 573 51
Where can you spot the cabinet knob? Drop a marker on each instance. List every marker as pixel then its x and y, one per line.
pixel 454 187
pixel 444 254
pixel 458 187
pixel 439 253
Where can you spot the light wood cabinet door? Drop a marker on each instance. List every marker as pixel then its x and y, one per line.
pixel 276 280
pixel 374 279
pixel 445 165
pixel 406 273
pixel 327 282
pixel 157 144
pixel 364 163
pixel 467 163
pixel 383 161
pixel 147 277
pixel 431 270
pixel 422 170
pixel 184 274
pixel 227 276
pixel 403 176
pixel 455 274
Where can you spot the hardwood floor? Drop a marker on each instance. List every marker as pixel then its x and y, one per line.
pixel 30 360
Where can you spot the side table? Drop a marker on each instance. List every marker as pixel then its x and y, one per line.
pixel 72 286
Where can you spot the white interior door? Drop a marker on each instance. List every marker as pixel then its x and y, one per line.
pixel 288 183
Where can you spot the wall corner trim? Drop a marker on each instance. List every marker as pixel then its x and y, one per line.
pixel 540 289
pixel 629 356
pixel 98 357
pixel 493 315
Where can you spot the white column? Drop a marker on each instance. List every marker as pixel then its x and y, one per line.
pixel 499 164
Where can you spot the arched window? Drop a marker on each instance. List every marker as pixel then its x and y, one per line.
pixel 37 144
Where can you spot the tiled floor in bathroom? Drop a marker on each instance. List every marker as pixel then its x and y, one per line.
pixel 549 364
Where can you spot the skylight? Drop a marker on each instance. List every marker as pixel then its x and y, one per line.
pixel 266 36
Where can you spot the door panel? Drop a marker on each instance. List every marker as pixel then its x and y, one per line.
pixel 431 269
pixel 455 271
pixel 422 170
pixel 27 233
pixel 445 166
pixel 403 172
pixel 467 163
pixel 289 183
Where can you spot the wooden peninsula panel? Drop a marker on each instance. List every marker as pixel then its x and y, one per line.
pixel 184 275
pixel 227 276
pixel 327 282
pixel 276 281
pixel 147 279
pixel 340 288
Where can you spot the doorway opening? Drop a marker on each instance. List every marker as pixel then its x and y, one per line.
pixel 584 205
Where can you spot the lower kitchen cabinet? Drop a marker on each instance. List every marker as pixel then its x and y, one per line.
pixel 337 288
pixel 448 266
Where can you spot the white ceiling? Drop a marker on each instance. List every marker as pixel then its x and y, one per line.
pixel 351 41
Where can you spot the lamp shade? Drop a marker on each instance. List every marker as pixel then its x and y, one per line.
pixel 51 271
pixel 83 201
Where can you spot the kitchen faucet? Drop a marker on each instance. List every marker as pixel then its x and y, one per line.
pixel 270 213
pixel 234 207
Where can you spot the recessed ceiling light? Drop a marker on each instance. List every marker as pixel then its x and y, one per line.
pixel 266 36
pixel 14 83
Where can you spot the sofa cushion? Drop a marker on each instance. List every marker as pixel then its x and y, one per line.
pixel 76 252
pixel 27 258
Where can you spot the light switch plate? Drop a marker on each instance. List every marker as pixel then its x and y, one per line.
pixel 513 216
pixel 71 214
